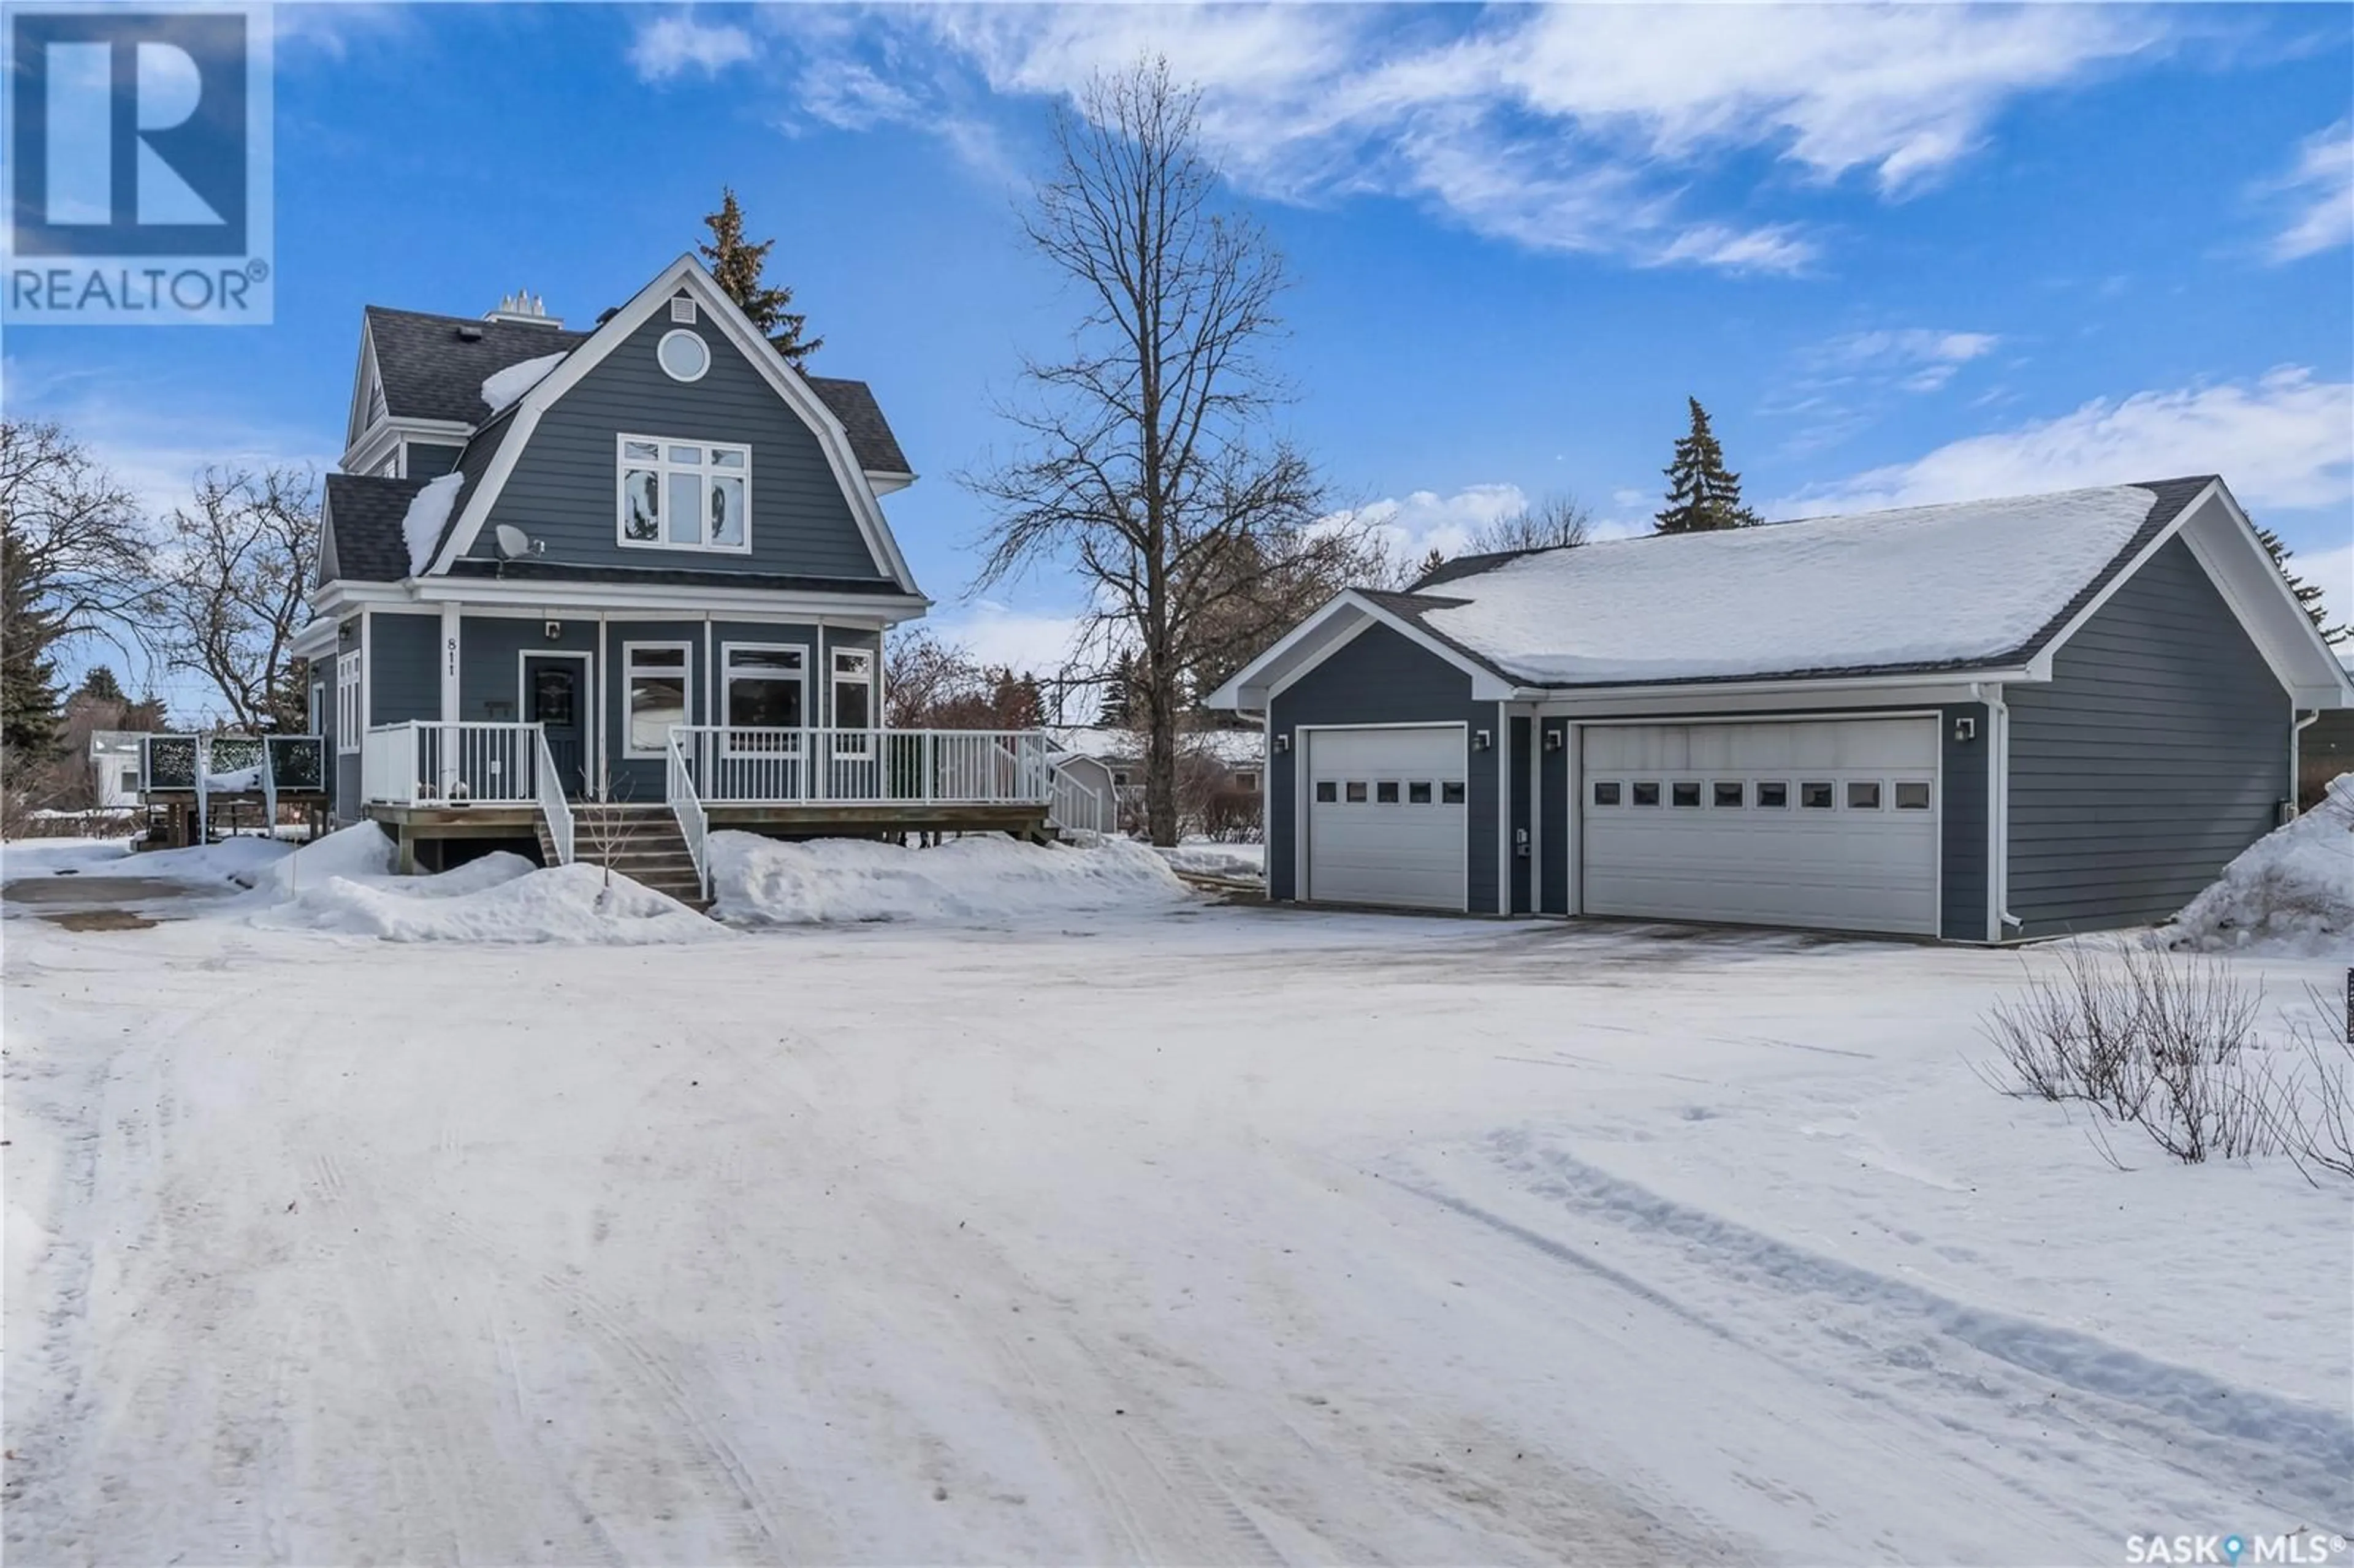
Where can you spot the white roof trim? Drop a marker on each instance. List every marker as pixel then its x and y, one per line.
pixel 616 599
pixel 685 273
pixel 2220 537
pixel 1246 687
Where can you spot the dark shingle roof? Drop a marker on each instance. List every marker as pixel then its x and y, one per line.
pixel 854 404
pixel 433 367
pixel 431 372
pixel 364 542
pixel 1462 574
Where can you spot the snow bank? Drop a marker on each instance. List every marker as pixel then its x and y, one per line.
pixel 242 862
pixel 1205 858
pixel 1922 584
pixel 236 780
pixel 361 849
pixel 428 514
pixel 499 898
pixel 2291 892
pixel 502 388
pixel 761 882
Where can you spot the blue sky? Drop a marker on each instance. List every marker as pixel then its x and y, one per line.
pixel 1902 255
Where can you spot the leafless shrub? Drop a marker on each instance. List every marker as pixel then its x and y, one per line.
pixel 2169 1045
pixel 2315 1117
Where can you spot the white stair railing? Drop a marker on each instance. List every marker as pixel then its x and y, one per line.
pixel 1077 808
pixel 553 806
pixel 693 821
pixel 204 811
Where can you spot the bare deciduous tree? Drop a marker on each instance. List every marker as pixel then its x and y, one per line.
pixel 1149 466
pixel 231 589
pixel 1557 522
pixel 77 544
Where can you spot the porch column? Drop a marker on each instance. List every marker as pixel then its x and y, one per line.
pixel 450 750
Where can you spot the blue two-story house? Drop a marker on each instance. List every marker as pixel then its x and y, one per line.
pixel 602 590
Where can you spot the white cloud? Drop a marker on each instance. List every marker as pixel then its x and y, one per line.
pixel 1023 640
pixel 674 43
pixel 2323 182
pixel 1559 128
pixel 1408 528
pixel 2280 440
pixel 2333 569
pixel 1915 359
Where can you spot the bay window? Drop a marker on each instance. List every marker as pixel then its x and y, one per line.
pixel 685 495
pixel 763 687
pixel 853 688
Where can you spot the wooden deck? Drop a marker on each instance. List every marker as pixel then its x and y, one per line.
pixel 172 813
pixel 413 825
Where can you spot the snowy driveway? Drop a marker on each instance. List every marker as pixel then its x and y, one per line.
pixel 1220 1235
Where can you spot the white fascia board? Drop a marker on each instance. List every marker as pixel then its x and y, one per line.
pixel 316 637
pixel 1250 687
pixel 685 273
pixel 2223 541
pixel 883 481
pixel 621 599
pixel 1768 696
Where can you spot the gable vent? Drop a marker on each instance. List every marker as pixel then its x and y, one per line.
pixel 681 308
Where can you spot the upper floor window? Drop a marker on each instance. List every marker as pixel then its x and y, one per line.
pixel 683 354
pixel 683 496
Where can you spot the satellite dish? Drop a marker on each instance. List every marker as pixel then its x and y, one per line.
pixel 513 543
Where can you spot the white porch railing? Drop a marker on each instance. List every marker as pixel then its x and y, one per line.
pixel 738 765
pixel 423 763
pixel 693 822
pixel 1077 808
pixel 553 806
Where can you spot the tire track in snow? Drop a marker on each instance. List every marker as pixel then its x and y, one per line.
pixel 2192 1420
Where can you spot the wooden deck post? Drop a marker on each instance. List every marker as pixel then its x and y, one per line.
pixel 405 859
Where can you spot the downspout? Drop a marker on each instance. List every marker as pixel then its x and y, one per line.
pixel 1998 722
pixel 2297 757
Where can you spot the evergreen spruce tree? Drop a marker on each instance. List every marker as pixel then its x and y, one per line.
pixel 29 696
pixel 1118 709
pixel 1702 494
pixel 100 686
pixel 2309 594
pixel 736 265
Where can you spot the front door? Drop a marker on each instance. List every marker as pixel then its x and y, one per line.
pixel 553 700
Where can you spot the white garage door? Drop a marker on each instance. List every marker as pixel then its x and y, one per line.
pixel 1810 822
pixel 1387 816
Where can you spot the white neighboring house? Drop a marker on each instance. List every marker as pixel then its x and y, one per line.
pixel 114 768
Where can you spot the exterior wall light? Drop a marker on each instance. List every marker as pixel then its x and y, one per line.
pixel 1482 740
pixel 1283 742
pixel 1556 739
pixel 1966 729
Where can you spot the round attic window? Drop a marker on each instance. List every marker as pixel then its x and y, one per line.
pixel 684 357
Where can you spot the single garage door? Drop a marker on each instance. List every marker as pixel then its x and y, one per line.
pixel 1826 822
pixel 1387 816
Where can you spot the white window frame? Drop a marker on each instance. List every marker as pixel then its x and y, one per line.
pixel 347 703
pixel 836 680
pixel 662 468
pixel 662 352
pixel 728 677
pixel 630 652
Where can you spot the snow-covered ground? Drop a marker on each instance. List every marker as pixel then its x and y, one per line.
pixel 1211 857
pixel 1170 1233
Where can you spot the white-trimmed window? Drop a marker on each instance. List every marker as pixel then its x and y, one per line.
pixel 657 677
pixel 765 686
pixel 347 701
pixel 683 496
pixel 853 688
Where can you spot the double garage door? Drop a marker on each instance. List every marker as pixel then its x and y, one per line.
pixel 1829 823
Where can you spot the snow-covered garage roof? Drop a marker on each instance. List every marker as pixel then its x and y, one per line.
pixel 1972 586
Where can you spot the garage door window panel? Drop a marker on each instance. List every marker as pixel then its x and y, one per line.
pixel 1451 792
pixel 1418 794
pixel 1912 795
pixel 1328 792
pixel 1684 794
pixel 1863 795
pixel 1647 794
pixel 1730 794
pixel 1385 792
pixel 1773 794
pixel 1606 793
pixel 1356 792
pixel 1817 797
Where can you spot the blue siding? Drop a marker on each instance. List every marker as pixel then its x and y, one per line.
pixel 2158 752
pixel 1967 769
pixel 1517 758
pixel 563 490
pixel 404 678
pixel 1554 822
pixel 432 460
pixel 1381 677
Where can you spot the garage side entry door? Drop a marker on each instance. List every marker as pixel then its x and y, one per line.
pixel 1819 823
pixel 1387 816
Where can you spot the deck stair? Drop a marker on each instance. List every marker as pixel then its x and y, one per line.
pixel 641 842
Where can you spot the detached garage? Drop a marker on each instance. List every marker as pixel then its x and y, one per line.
pixel 1979 722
